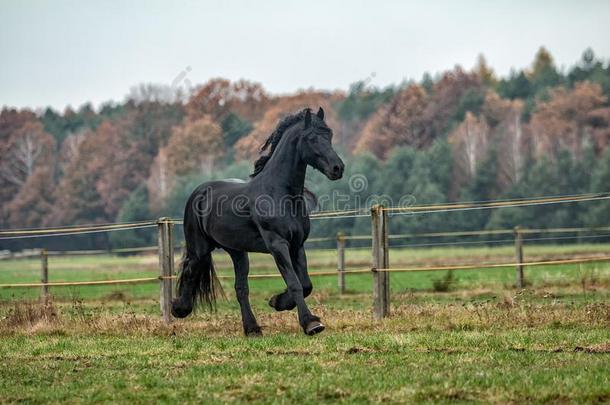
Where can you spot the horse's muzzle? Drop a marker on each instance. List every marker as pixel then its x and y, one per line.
pixel 336 171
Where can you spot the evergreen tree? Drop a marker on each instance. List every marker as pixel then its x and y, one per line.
pixel 544 74
pixel 598 212
pixel 234 128
pixel 135 209
pixel 516 86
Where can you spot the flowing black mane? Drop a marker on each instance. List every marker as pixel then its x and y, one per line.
pixel 275 138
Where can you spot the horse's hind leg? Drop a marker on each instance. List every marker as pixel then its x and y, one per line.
pixel 242 291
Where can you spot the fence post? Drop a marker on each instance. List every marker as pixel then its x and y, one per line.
pixel 381 279
pixel 166 266
pixel 44 276
pixel 341 261
pixel 519 257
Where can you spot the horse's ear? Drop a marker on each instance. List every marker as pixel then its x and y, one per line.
pixel 320 113
pixel 307 118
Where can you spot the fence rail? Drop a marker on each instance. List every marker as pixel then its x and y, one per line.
pixel 45 233
pixel 144 280
pixel 467 233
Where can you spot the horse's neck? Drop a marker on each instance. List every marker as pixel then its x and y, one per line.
pixel 285 170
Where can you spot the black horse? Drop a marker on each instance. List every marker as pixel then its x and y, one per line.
pixel 266 214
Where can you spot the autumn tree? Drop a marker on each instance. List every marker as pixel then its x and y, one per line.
pixel 510 134
pixel 77 198
pixel 218 97
pixel 121 165
pixel 105 168
pixel 11 120
pixel 361 102
pixel 416 117
pixel 470 141
pixel 27 167
pixel 149 123
pixel 27 148
pixel 194 146
pixel 484 71
pixel 35 200
pixel 455 93
pixel 69 149
pixel 564 121
pixel 400 123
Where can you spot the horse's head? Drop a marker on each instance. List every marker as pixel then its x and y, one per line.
pixel 315 146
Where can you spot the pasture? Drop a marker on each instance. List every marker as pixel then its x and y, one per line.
pixel 483 340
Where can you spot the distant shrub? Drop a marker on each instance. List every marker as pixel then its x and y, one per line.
pixel 444 283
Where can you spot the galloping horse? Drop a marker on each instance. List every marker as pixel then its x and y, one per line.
pixel 267 214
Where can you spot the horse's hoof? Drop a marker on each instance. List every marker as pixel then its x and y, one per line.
pixel 254 333
pixel 273 302
pixel 179 311
pixel 314 327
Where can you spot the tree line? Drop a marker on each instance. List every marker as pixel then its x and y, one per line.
pixel 462 135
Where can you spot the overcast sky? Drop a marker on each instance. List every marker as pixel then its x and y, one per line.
pixel 63 53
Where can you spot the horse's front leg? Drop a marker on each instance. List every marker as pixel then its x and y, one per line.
pixel 280 250
pixel 284 301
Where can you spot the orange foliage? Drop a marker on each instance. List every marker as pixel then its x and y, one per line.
pixel 402 122
pixel 106 167
pixel 28 147
pixel 563 122
pixel 34 201
pixel 415 117
pixel 218 97
pixel 195 145
pixel 26 174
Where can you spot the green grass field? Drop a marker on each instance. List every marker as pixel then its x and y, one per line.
pixel 483 341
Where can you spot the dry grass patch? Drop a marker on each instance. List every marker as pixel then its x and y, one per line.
pixel 504 313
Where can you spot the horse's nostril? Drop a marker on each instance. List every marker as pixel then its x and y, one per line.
pixel 336 169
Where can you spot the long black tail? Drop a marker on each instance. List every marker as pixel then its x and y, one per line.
pixel 197 284
pixel 209 288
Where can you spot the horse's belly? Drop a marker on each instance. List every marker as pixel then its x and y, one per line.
pixel 238 234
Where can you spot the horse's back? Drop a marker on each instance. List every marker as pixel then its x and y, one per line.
pixel 220 211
